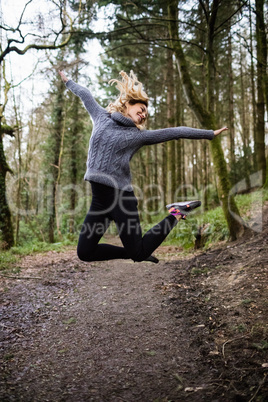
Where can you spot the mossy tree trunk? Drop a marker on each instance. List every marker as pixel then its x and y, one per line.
pixel 73 152
pixel 178 122
pixel 171 146
pixel 56 132
pixel 164 171
pixel 6 227
pixel 206 115
pixel 253 90
pixel 261 88
pixel 244 122
pixel 231 119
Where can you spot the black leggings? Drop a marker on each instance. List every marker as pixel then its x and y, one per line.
pixel 110 204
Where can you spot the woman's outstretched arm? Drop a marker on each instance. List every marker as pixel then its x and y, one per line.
pixel 92 106
pixel 150 137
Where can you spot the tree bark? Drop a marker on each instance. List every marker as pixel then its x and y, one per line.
pixel 73 161
pixel 6 226
pixel 261 73
pixel 171 160
pixel 57 132
pixel 178 122
pixel 244 123
pixel 19 170
pixel 231 100
pixel 253 91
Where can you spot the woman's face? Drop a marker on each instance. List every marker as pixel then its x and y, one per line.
pixel 137 112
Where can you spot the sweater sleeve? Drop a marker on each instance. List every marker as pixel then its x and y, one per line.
pixel 150 137
pixel 92 106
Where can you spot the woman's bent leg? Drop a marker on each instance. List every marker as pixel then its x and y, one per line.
pixel 95 225
pixel 126 216
pixel 108 204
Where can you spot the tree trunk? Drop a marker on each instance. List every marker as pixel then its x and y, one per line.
pixel 157 193
pixel 261 64
pixel 164 175
pixel 148 182
pixel 205 176
pixel 57 138
pixel 245 128
pixel 231 100
pixel 6 227
pixel 253 92
pixel 194 164
pixel 19 170
pixel 178 122
pixel 171 161
pixel 205 117
pixel 141 180
pixel 73 161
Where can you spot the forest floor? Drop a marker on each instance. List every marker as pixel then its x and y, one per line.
pixel 187 329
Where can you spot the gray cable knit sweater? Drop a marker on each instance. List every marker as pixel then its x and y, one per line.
pixel 115 139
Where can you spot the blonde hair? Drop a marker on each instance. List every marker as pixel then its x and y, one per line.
pixel 131 90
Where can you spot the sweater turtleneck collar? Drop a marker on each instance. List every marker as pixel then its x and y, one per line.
pixel 123 120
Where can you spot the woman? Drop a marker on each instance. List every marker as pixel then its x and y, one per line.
pixel 118 133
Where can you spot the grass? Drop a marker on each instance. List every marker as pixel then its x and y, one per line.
pixel 9 259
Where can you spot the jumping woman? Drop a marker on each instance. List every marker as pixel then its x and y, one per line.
pixel 118 133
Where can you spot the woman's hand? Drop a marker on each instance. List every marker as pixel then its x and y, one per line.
pixel 217 132
pixel 63 76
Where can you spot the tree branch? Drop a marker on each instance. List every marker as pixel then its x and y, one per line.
pixel 23 11
pixel 52 46
pixel 147 21
pixel 230 17
pixel 204 9
pixel 6 129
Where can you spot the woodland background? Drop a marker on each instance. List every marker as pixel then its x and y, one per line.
pixel 203 64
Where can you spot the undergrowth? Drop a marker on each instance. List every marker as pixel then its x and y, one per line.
pixel 184 234
pixel 9 259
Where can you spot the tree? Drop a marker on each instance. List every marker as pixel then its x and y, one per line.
pixel 262 88
pixel 55 143
pixel 6 228
pixel 206 115
pixel 42 39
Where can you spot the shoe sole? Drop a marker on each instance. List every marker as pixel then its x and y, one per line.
pixel 185 207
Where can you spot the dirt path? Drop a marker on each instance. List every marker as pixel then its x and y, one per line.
pixel 98 332
pixel 182 330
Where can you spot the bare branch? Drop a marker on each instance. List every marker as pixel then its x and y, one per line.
pixel 23 11
pixel 15 49
pixel 7 28
pixel 26 78
pixel 156 42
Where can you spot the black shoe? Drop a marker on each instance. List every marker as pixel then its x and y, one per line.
pixel 152 259
pixel 182 208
